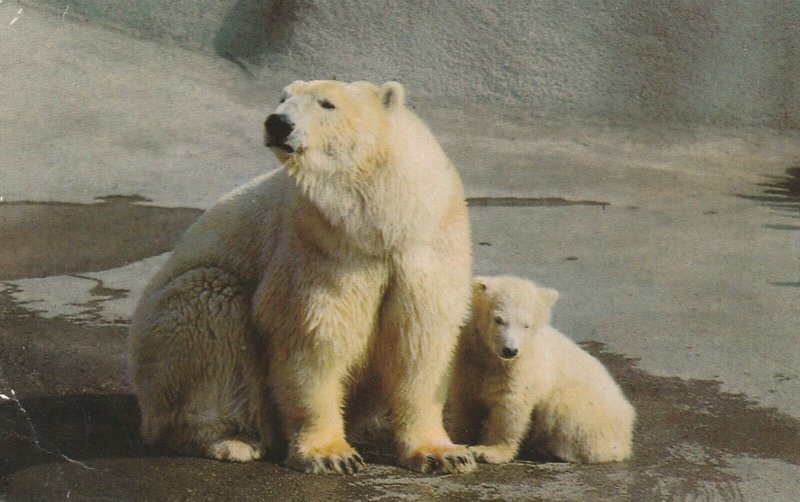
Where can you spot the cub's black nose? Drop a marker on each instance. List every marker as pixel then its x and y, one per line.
pixel 278 127
pixel 509 353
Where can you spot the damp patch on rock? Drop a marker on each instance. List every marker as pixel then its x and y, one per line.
pixel 530 202
pixel 780 192
pixel 42 239
pixel 783 194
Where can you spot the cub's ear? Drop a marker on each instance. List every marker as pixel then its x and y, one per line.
pixel 480 284
pixel 549 296
pixel 392 95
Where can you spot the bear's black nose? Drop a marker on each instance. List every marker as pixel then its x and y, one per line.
pixel 278 127
pixel 509 353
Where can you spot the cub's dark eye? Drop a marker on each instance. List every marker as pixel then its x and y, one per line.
pixel 499 320
pixel 527 326
pixel 282 99
pixel 326 104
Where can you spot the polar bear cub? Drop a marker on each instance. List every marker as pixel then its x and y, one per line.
pixel 515 376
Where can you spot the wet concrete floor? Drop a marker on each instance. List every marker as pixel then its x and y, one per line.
pixel 70 430
pixel 68 424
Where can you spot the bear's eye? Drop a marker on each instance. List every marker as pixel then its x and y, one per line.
pixel 283 98
pixel 326 104
pixel 499 320
pixel 527 326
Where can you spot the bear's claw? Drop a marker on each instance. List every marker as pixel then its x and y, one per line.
pixel 441 460
pixel 317 463
pixel 492 454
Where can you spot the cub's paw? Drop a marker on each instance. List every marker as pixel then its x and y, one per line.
pixel 335 458
pixel 438 459
pixel 234 450
pixel 492 454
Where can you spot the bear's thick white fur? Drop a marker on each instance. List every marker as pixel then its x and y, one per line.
pixel 339 280
pixel 552 392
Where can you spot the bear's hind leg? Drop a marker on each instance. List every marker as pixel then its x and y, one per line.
pixel 585 430
pixel 195 369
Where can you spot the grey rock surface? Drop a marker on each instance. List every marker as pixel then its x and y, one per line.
pixel 725 63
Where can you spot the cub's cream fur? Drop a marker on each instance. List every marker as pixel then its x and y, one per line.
pixel 546 388
pixel 337 281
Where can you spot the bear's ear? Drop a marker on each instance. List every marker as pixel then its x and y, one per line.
pixel 294 85
pixel 392 95
pixel 290 89
pixel 549 296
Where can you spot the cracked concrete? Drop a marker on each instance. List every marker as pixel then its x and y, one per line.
pixel 675 249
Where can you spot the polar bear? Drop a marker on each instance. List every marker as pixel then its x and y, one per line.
pixel 516 376
pixel 339 280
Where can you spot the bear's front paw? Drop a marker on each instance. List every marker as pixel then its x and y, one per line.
pixel 436 459
pixel 335 458
pixel 492 454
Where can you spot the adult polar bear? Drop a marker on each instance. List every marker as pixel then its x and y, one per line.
pixel 341 278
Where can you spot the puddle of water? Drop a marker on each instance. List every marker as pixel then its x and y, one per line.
pixel 106 297
pixel 42 239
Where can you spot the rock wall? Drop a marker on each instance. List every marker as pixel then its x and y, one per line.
pixel 693 61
